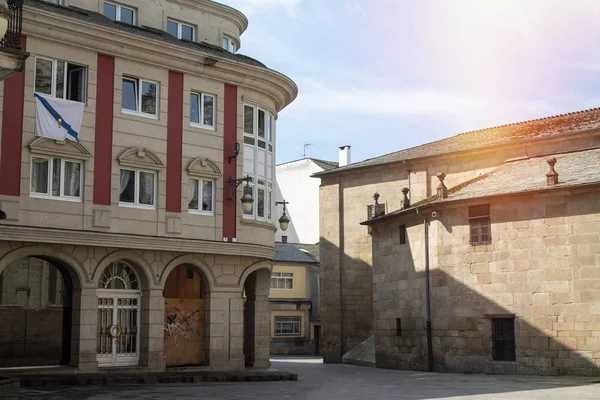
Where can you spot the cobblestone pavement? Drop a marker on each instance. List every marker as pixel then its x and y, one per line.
pixel 344 382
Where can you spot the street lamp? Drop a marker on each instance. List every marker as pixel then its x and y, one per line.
pixel 284 221
pixel 4 17
pixel 247 199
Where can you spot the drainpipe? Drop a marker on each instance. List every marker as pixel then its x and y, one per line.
pixel 427 294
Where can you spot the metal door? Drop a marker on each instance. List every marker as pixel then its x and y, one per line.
pixel 118 330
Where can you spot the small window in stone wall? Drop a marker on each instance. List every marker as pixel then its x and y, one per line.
pixel 503 338
pixel 402 232
pixel 398 327
pixel 480 224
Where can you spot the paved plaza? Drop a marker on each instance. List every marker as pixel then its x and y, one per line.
pixel 345 382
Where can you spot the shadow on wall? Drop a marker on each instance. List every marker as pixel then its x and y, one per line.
pixel 477 290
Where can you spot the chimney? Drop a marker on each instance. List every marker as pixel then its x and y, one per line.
pixel 552 176
pixel 284 239
pixel 345 156
pixel 406 200
pixel 442 190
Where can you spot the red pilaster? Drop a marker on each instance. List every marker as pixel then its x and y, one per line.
pixel 103 140
pixel 174 141
pixel 229 170
pixel 12 132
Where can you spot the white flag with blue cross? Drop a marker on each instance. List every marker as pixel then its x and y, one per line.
pixel 57 118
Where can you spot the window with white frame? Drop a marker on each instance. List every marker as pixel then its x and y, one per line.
pixel 259 134
pixel 181 30
pixel 117 12
pixel 202 110
pixel 60 79
pixel 139 96
pixel 137 188
pixel 201 198
pixel 282 280
pixel 229 44
pixel 287 326
pixel 56 178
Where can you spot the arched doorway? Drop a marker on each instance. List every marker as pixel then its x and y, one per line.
pixel 257 321
pixel 119 298
pixel 185 317
pixel 36 297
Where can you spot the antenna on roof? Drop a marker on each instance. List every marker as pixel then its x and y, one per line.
pixel 306 145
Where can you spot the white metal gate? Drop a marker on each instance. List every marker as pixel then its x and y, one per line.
pixel 118 329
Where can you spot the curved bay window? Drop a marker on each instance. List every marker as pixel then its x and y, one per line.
pixel 259 142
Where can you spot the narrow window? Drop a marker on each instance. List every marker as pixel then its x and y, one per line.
pixel 137 188
pixel 249 120
pixel 479 224
pixel 503 337
pixel 201 196
pixel 139 96
pixel 398 327
pixel 202 110
pixel 173 28
pixel 229 44
pixel 402 231
pixel 56 178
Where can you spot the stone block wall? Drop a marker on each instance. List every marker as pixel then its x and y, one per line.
pixel 542 266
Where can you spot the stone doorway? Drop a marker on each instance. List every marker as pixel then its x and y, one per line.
pixel 36 296
pixel 184 333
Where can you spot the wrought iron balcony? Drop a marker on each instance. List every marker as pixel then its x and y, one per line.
pixel 12 39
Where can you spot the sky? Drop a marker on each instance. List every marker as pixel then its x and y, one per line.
pixel 384 75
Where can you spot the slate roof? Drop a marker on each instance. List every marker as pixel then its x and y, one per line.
pixel 574 169
pixel 558 125
pixel 142 31
pixel 292 252
pixel 325 165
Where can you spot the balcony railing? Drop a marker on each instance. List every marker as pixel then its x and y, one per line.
pixel 12 39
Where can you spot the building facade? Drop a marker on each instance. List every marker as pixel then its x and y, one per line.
pixel 294 300
pixel 346 199
pixel 511 259
pixel 130 246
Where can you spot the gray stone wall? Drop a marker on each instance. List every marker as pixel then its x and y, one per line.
pixel 542 266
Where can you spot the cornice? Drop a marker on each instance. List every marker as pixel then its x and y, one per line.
pixel 125 241
pixel 218 10
pixel 74 32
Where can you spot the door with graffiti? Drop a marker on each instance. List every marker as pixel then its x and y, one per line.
pixel 184 317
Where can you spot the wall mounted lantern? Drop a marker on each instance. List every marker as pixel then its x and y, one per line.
pixel 236 149
pixel 284 221
pixel 247 199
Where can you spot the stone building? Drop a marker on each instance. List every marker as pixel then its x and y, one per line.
pixel 499 274
pixel 294 300
pixel 130 246
pixel 346 199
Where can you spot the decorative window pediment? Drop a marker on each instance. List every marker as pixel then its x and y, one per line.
pixel 204 167
pixel 59 148
pixel 140 158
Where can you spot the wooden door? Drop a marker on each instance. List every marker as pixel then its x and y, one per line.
pixel 184 318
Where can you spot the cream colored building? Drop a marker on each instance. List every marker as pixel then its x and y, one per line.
pixel 370 282
pixel 294 300
pixel 134 238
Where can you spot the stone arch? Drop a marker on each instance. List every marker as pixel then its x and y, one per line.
pixel 204 167
pixel 268 265
pixel 192 259
pixel 142 268
pixel 59 148
pixel 138 157
pixel 74 267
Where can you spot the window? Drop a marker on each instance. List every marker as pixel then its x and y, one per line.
pixel 60 79
pixel 402 231
pixel 117 12
pixel 137 188
pixel 287 326
pixel 398 327
pixel 479 223
pixel 202 110
pixel 180 30
pixel 229 44
pixel 201 196
pixel 56 178
pixel 503 337
pixel 259 133
pixel 282 280
pixel 139 96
